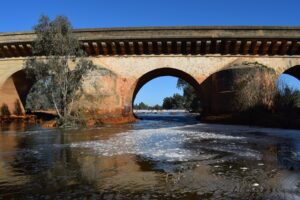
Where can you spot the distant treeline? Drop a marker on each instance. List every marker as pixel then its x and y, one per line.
pixel 143 106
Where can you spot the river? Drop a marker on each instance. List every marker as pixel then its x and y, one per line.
pixel 163 156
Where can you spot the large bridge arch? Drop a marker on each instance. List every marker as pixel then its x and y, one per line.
pixel 165 71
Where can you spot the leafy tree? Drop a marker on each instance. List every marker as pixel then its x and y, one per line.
pixel 178 101
pixel 61 70
pixel 156 107
pixel 174 102
pixel 37 99
pixel 141 106
pixel 191 100
pixel 167 103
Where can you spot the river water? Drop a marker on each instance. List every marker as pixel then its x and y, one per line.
pixel 169 156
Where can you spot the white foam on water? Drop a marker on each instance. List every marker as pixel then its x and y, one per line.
pixel 163 144
pixel 292 134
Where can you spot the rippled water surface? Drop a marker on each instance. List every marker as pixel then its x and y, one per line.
pixel 159 157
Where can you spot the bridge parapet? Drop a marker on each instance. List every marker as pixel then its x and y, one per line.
pixel 255 41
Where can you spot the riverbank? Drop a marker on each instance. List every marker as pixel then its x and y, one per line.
pixel 261 119
pixel 45 119
pixel 22 118
pixel 161 111
pixel 258 119
pixel 255 118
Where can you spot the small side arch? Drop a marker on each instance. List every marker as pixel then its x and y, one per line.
pixel 14 91
pixel 293 71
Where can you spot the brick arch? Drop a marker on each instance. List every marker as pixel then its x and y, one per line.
pixel 15 89
pixel 293 71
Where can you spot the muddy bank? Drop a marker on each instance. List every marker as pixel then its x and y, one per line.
pixel 110 120
pixel 49 120
pixel 15 118
pixel 45 119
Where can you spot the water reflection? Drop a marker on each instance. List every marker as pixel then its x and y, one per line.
pixel 151 159
pixel 288 156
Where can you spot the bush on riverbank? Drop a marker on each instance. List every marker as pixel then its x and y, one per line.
pixel 143 106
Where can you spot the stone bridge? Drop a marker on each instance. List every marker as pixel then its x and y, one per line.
pixel 130 57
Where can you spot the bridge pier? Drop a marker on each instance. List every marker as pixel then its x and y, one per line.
pixel 221 91
pixel 110 90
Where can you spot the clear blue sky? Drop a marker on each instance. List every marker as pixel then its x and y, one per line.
pixel 157 89
pixel 20 15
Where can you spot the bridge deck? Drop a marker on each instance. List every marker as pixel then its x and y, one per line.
pixel 239 40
